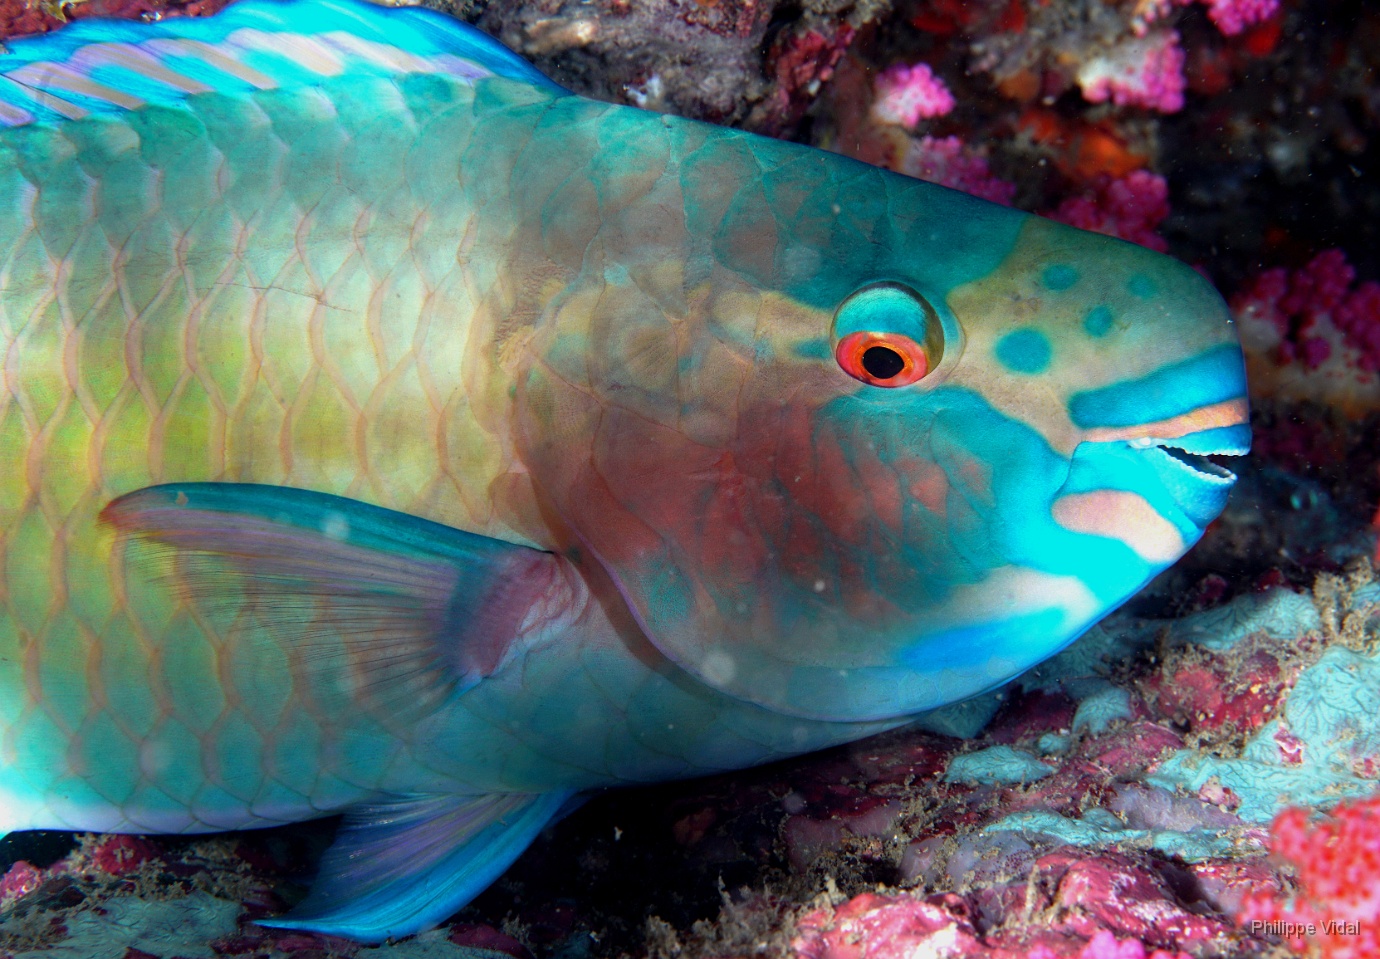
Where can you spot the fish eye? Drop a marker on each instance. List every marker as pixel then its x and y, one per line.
pixel 882 359
pixel 887 335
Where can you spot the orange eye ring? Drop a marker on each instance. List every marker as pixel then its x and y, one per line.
pixel 882 359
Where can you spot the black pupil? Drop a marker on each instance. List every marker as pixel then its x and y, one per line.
pixel 882 362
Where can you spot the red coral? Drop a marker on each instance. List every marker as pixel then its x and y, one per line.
pixel 1320 285
pixel 1113 892
pixel 1104 945
pixel 26 17
pixel 1230 16
pixel 121 854
pixel 1227 883
pixel 1290 747
pixel 1101 906
pixel 801 63
pixel 883 927
pixel 1358 317
pixel 1261 296
pixel 21 880
pixel 945 17
pixel 19 19
pixel 1220 691
pixel 1335 913
pixel 481 938
pixel 1234 16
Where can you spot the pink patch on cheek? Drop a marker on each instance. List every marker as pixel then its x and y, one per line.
pixel 1123 516
pixel 839 505
pixel 731 544
pixel 621 531
pixel 820 512
pixel 803 557
pixel 930 488
pixel 863 602
pixel 883 491
pixel 809 469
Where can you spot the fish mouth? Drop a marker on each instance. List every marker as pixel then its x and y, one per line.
pixel 1204 466
pixel 1188 467
pixel 1191 443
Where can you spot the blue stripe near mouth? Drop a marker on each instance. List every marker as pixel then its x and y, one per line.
pixel 1214 376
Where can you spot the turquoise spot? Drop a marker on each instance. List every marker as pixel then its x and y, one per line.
pixel 1060 277
pixel 1098 321
pixel 813 350
pixel 1024 351
pixel 1142 286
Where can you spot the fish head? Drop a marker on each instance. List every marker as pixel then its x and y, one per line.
pixel 854 446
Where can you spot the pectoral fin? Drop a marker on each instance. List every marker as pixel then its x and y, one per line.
pixel 403 611
pixel 404 865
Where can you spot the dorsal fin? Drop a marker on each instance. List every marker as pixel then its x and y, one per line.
pixel 107 66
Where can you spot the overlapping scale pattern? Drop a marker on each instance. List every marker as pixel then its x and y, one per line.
pixel 264 288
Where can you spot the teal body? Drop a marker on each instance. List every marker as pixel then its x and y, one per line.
pixel 387 431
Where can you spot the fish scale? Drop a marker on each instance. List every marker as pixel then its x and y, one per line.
pixel 386 431
pixel 305 365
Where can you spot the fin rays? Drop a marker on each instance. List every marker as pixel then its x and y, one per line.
pixel 403 865
pixel 402 612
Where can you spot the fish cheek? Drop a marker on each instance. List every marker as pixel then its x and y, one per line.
pixel 781 519
pixel 834 510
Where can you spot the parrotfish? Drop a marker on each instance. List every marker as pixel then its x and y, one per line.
pixel 387 431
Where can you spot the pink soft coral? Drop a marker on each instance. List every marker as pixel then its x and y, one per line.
pixel 1234 16
pixel 1145 71
pixel 1131 208
pixel 1335 913
pixel 1303 304
pixel 908 94
pixel 946 161
pixel 1231 16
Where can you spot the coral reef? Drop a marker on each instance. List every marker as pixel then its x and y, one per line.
pixel 946 161
pixel 1230 16
pixel 701 59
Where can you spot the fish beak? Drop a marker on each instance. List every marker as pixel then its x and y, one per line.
pixel 1196 452
pixel 1186 468
pixel 1188 441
